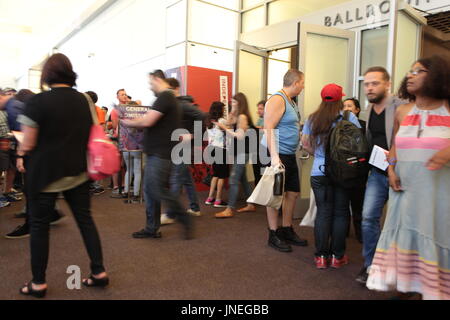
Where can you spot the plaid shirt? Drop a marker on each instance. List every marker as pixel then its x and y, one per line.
pixel 4 129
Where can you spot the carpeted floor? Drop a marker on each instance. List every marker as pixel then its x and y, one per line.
pixel 228 259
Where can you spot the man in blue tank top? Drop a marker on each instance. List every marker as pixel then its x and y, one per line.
pixel 282 135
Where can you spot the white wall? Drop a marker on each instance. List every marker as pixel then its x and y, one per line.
pixel 119 48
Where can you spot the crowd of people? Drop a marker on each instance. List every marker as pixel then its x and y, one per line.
pixel 43 149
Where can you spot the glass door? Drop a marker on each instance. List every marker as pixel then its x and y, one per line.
pixel 326 55
pixel 250 77
pixel 405 37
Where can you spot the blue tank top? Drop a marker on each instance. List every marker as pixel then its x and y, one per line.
pixel 288 128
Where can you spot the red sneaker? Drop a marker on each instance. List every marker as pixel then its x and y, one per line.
pixel 321 262
pixel 337 263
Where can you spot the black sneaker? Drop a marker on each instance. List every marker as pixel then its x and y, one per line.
pixel 20 215
pixel 22 231
pixel 98 191
pixel 145 234
pixel 12 197
pixel 289 236
pixel 277 243
pixel 362 276
pixel 57 218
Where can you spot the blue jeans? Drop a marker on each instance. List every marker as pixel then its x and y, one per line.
pixel 238 175
pixel 133 166
pixel 377 193
pixel 181 176
pixel 156 181
pixel 333 217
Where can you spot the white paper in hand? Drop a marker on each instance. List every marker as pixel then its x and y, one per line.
pixel 378 158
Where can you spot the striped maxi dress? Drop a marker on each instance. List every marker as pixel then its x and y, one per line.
pixel 413 253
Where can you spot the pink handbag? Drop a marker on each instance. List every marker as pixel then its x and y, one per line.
pixel 103 155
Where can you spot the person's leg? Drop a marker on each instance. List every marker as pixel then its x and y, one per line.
pixel 247 192
pixel 341 217
pixel 10 176
pixel 323 193
pixel 237 171
pixel 212 187
pixel 79 202
pixel 126 158
pixel 377 192
pixel 152 204
pixel 220 183
pixel 137 164
pixel 188 183
pixel 40 209
pixel 356 202
pixel 175 179
pixel 160 175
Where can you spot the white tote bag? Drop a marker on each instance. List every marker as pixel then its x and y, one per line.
pixel 263 193
pixel 310 216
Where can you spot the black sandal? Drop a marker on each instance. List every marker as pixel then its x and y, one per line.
pixel 102 282
pixel 32 292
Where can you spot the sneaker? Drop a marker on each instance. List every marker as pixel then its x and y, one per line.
pixel 321 262
pixel 277 243
pixel 21 215
pixel 288 234
pixel 194 213
pixel 144 234
pixel 17 192
pixel 166 220
pixel 133 199
pixel 337 263
pixel 209 201
pixel 12 197
pixel 362 276
pixel 57 218
pixel 98 191
pixel 116 194
pixel 22 231
pixel 220 204
pixel 4 203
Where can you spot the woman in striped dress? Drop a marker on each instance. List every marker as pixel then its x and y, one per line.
pixel 413 253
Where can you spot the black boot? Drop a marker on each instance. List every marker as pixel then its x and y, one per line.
pixel 289 236
pixel 277 243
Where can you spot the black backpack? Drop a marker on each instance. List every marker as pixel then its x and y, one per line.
pixel 346 154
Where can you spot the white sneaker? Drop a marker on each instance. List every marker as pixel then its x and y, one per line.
pixel 194 213
pixel 166 220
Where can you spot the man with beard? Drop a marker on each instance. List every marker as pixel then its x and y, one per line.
pixel 379 131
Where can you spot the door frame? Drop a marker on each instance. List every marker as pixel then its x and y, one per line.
pixel 241 46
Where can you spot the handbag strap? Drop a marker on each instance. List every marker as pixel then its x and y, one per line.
pixel 92 108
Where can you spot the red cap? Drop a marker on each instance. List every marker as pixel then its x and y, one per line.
pixel 332 92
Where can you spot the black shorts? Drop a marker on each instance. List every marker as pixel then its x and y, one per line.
pixel 221 171
pixel 4 160
pixel 291 179
pixel 12 159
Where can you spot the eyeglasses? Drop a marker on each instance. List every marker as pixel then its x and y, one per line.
pixel 416 72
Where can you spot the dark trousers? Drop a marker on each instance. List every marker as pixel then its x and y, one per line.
pixel 331 225
pixel 156 189
pixel 41 209
pixel 356 196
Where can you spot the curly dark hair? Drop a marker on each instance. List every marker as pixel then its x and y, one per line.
pixel 437 82
pixel 216 112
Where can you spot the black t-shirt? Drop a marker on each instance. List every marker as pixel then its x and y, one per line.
pixel 64 121
pixel 377 127
pixel 157 139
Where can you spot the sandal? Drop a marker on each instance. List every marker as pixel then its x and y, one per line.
pixel 32 292
pixel 102 282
